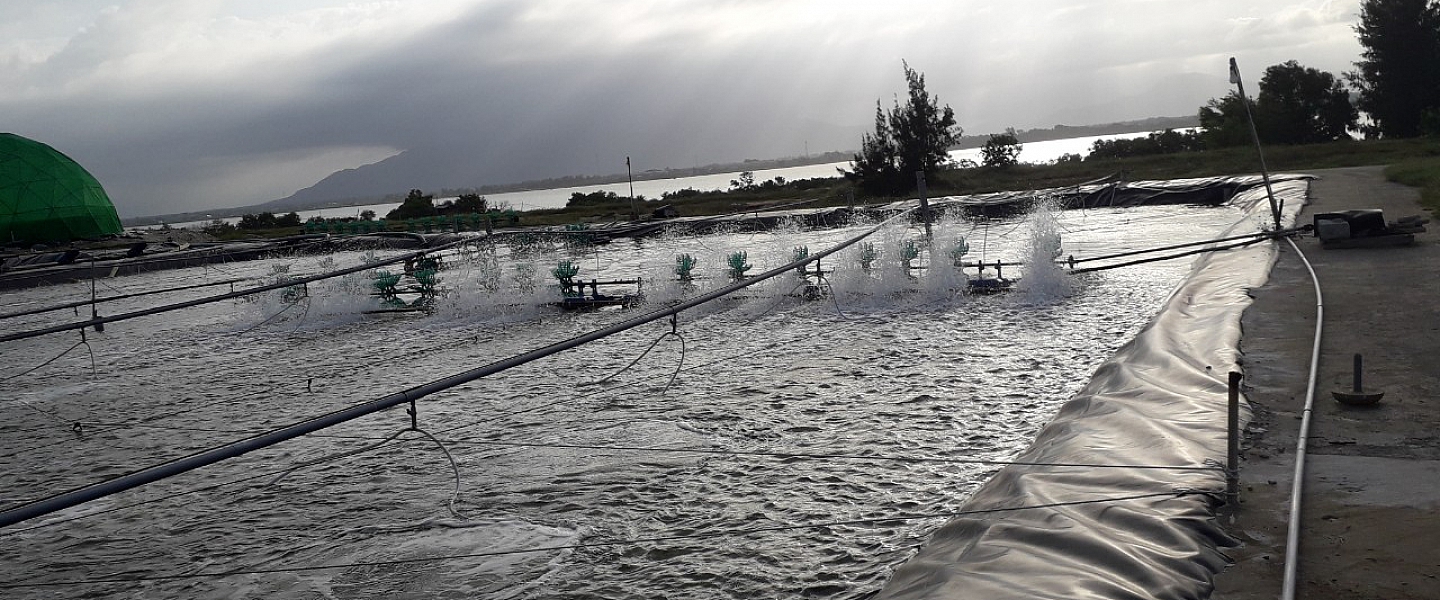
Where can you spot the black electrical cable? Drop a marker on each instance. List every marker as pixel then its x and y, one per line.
pixel 267 389
pixel 1259 234
pixel 531 409
pixel 1171 256
pixel 14 531
pixel 216 454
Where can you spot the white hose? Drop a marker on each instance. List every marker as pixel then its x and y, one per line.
pixel 1292 539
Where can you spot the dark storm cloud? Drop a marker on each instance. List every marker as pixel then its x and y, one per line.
pixel 181 105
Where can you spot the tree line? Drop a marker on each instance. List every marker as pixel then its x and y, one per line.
pixel 1395 87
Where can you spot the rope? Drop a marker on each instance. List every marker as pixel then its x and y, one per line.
pixel 44 364
pixel 303 314
pixel 10 532
pixel 337 456
pixel 728 530
pixel 783 298
pixel 74 426
pixel 265 390
pixel 647 351
pixel 454 468
pixel 219 453
pixel 279 475
pixel 282 311
pixel 14 531
pixel 1210 466
pixel 772 346
pixel 833 296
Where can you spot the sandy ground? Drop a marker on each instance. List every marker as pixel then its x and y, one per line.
pixel 1370 515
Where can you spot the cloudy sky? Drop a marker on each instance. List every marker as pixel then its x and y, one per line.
pixel 182 105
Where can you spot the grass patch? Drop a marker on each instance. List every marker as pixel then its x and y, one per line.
pixel 1423 173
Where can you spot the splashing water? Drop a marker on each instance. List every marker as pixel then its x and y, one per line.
pixel 912 369
pixel 1045 281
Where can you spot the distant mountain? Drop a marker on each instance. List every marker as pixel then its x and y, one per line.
pixel 1061 132
pixel 468 162
pixel 468 166
pixel 437 168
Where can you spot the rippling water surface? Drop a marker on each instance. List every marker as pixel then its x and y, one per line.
pixel 891 388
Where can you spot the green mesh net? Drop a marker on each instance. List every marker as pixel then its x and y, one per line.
pixel 46 197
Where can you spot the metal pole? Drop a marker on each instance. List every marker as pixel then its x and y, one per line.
pixel 1255 134
pixel 634 215
pixel 1232 460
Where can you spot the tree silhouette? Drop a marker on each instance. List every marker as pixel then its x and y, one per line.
pixel 416 204
pixel 1296 105
pixel 1223 122
pixel 1398 76
pixel 915 137
pixel 1001 150
pixel 1300 105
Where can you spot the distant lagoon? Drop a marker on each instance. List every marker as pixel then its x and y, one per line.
pixel 1032 152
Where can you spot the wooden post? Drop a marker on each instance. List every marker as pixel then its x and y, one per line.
pixel 634 214
pixel 924 202
pixel 1232 460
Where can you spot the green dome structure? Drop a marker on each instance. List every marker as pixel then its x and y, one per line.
pixel 46 197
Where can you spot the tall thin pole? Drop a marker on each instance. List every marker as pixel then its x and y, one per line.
pixel 1255 135
pixel 634 215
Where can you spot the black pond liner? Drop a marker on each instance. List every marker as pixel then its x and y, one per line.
pixel 1161 400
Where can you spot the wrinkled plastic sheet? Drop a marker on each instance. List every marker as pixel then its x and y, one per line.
pixel 1162 400
pixel 1109 192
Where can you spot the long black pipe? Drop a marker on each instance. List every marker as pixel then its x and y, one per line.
pixel 208 299
pixel 1273 234
pixel 151 474
pixel 79 303
pixel 1247 236
pixel 1142 261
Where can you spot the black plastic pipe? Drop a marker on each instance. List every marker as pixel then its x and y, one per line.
pixel 79 303
pixel 208 299
pixel 155 473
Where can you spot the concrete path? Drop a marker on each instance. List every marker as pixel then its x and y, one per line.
pixel 1371 501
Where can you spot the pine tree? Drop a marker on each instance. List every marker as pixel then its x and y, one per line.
pixel 912 138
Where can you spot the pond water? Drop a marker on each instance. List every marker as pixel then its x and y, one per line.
pixel 837 432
